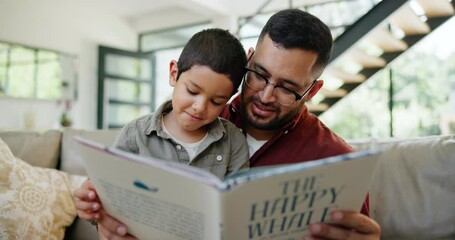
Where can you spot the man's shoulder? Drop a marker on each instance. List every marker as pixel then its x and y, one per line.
pixel 324 137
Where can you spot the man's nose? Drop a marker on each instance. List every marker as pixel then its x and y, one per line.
pixel 267 95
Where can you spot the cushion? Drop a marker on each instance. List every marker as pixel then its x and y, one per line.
pixel 70 154
pixel 35 203
pixel 38 149
pixel 413 188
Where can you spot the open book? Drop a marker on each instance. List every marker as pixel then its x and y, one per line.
pixel 159 199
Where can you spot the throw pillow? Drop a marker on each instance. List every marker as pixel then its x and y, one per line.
pixel 38 149
pixel 413 188
pixel 35 203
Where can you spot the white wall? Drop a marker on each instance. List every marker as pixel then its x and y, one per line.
pixel 78 27
pixel 66 26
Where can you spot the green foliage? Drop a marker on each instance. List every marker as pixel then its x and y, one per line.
pixel 422 83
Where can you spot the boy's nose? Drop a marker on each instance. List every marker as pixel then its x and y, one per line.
pixel 199 106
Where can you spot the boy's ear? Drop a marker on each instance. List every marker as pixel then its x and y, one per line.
pixel 173 72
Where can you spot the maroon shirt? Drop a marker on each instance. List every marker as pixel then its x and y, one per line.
pixel 304 139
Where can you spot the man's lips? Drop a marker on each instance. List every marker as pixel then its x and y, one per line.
pixel 261 110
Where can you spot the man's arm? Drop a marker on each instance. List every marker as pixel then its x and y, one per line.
pixel 111 228
pixel 346 225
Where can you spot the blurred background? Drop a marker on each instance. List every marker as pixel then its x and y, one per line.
pixel 91 64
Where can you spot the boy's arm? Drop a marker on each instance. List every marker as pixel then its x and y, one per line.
pixel 89 209
pixel 240 157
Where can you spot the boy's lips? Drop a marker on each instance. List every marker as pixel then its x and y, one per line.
pixel 194 117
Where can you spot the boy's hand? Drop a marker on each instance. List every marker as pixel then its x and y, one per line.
pixel 87 203
pixel 348 226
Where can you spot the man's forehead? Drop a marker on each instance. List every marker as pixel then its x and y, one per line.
pixel 295 64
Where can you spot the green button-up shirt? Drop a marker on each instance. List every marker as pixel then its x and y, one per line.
pixel 223 151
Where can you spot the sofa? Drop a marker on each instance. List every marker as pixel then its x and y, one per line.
pixel 29 176
pixel 411 192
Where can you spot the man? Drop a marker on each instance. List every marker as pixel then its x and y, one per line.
pixel 282 74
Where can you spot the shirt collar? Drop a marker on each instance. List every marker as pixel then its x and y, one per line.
pixel 215 129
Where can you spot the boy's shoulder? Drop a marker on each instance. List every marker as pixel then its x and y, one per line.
pixel 142 122
pixel 229 126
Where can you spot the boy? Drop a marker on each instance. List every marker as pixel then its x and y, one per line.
pixel 187 129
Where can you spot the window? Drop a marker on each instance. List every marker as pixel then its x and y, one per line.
pixel 27 72
pixel 164 46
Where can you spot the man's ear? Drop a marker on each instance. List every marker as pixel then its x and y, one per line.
pixel 250 52
pixel 315 89
pixel 173 72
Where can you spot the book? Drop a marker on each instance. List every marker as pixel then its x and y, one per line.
pixel 159 199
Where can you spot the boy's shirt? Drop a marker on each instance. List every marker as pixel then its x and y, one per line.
pixel 223 151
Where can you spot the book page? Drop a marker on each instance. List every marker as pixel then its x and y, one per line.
pixel 153 203
pixel 281 207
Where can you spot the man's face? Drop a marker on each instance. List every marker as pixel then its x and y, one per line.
pixel 293 69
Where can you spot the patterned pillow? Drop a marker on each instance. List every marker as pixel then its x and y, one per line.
pixel 35 203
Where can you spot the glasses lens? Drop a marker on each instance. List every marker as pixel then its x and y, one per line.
pixel 255 81
pixel 284 97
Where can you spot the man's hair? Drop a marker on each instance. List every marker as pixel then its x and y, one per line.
pixel 217 49
pixel 294 28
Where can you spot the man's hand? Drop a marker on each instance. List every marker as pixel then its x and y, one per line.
pixel 87 203
pixel 110 228
pixel 346 226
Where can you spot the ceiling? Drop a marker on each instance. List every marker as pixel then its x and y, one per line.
pixel 182 12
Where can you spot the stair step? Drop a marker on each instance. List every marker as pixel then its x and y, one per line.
pixel 364 59
pixel 317 107
pixel 336 93
pixel 408 21
pixel 386 41
pixel 436 8
pixel 345 76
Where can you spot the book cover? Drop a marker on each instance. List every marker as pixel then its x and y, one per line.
pixel 159 199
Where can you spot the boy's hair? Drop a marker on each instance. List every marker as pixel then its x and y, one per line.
pixel 217 49
pixel 294 28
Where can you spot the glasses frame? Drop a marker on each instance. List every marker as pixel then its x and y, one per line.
pixel 298 97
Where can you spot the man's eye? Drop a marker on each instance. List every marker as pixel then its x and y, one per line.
pixel 259 76
pixel 286 90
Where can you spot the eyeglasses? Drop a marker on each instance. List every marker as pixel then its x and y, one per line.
pixel 282 94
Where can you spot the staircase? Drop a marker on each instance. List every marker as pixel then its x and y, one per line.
pixel 367 46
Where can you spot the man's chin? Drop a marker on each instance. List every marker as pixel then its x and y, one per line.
pixel 260 122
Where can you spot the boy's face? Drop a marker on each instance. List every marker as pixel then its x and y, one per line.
pixel 199 96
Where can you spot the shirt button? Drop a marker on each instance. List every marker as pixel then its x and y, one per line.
pixel 286 132
pixel 219 158
pixel 179 147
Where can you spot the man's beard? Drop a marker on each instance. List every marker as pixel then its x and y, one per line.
pixel 261 123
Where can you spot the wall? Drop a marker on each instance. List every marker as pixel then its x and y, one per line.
pixel 73 27
pixel 78 27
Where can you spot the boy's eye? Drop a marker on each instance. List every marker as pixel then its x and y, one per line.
pixel 216 103
pixel 191 92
